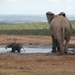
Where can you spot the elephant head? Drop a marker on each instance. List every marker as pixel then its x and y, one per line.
pixel 11 45
pixel 51 15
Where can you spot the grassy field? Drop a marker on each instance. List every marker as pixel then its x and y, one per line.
pixel 41 28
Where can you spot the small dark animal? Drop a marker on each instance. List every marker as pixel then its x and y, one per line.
pixel 15 47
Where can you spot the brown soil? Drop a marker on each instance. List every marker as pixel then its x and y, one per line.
pixel 35 64
pixel 5 39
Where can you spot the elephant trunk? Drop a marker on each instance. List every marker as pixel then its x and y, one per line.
pixel 8 46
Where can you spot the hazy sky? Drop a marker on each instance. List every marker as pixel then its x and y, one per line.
pixel 37 6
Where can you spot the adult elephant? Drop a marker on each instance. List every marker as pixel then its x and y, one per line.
pixel 15 47
pixel 60 28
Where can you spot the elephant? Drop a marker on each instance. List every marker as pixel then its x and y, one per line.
pixel 60 28
pixel 15 47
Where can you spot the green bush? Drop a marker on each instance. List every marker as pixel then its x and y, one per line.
pixel 41 28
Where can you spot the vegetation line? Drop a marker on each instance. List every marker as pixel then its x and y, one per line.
pixel 41 28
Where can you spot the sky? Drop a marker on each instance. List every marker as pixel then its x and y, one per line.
pixel 37 7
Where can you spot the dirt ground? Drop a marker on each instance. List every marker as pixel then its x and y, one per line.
pixel 5 39
pixel 35 64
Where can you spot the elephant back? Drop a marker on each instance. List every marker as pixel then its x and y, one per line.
pixel 18 45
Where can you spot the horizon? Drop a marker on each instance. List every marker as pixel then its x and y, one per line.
pixel 27 18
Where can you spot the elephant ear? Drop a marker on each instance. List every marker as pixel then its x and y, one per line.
pixel 49 16
pixel 63 14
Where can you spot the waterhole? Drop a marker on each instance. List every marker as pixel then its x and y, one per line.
pixel 31 49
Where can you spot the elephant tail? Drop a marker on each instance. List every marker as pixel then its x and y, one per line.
pixel 23 48
pixel 63 33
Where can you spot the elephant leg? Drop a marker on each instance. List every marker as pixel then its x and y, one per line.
pixel 13 50
pixel 66 46
pixel 58 46
pixel 61 47
pixel 67 38
pixel 53 44
pixel 18 50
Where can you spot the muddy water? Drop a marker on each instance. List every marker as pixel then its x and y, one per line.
pixel 31 49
